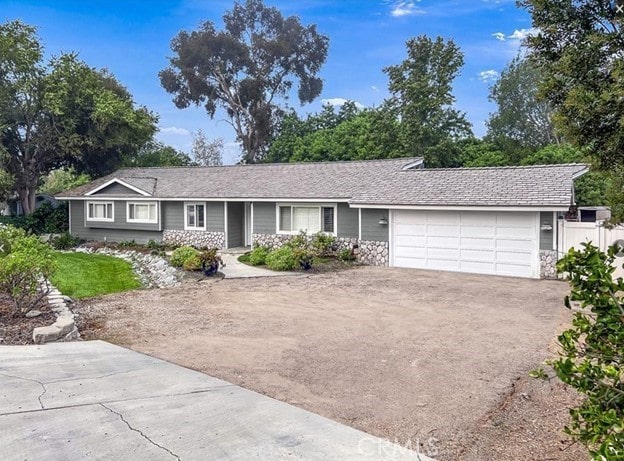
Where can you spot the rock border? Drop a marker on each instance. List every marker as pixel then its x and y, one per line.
pixel 64 328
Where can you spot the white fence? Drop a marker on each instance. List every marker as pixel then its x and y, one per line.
pixel 572 234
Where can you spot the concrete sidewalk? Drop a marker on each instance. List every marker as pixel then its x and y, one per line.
pixel 237 270
pixel 87 400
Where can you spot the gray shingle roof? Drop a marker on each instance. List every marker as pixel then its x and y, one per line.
pixel 374 182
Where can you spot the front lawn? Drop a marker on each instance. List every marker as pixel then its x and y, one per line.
pixel 84 275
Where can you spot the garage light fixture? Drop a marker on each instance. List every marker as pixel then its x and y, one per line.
pixel 546 226
pixel 383 221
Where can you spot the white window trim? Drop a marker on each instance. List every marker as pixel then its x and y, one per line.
pixel 320 206
pixel 89 219
pixel 142 221
pixel 186 226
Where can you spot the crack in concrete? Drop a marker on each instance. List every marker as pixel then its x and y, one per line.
pixel 102 376
pixel 129 399
pixel 140 432
pixel 32 381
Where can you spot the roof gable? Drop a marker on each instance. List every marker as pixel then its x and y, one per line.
pixel 117 187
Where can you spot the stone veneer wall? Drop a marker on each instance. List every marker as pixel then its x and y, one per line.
pixel 370 252
pixel 374 253
pixel 276 241
pixel 198 239
pixel 548 260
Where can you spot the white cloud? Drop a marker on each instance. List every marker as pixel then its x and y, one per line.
pixel 521 34
pixel 499 36
pixel 337 102
pixel 488 76
pixel 409 8
pixel 175 130
pixel 518 34
pixel 374 88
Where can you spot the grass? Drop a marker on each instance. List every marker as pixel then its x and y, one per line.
pixel 244 258
pixel 82 275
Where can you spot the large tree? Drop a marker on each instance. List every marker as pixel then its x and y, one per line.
pixel 246 68
pixel 580 50
pixel 422 93
pixel 61 113
pixel 523 121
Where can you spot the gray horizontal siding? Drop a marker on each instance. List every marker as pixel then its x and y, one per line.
pixel 347 221
pixel 78 229
pixel 215 216
pixel 116 189
pixel 173 215
pixel 120 219
pixel 264 218
pixel 371 229
pixel 546 237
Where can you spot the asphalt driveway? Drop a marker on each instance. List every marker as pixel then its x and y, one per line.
pixel 418 357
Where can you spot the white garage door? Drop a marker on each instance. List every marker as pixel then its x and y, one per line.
pixel 481 242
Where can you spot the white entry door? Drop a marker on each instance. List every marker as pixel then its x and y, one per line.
pixel 498 243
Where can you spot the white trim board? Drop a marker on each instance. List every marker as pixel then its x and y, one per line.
pixel 461 208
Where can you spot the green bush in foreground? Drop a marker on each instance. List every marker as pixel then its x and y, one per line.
pixel 180 255
pixel 282 259
pixel 258 256
pixel 591 359
pixel 25 264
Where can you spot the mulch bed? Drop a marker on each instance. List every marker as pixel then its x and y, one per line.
pixel 18 330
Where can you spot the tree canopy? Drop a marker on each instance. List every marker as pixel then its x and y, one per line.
pixel 421 89
pixel 523 121
pixel 580 51
pixel 155 153
pixel 207 152
pixel 246 68
pixel 61 113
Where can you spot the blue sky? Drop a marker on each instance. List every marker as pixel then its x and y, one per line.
pixel 131 38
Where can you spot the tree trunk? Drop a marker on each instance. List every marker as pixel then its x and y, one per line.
pixel 27 199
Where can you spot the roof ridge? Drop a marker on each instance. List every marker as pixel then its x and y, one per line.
pixel 323 162
pixel 507 167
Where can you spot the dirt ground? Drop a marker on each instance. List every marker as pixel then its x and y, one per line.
pixel 433 359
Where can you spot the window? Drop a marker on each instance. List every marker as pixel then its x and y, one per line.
pixel 142 212
pixel 311 218
pixel 100 211
pixel 194 216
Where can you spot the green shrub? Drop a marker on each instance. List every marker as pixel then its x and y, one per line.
pixel 154 245
pixel 192 263
pixel 258 256
pixel 127 244
pixel 591 358
pixel 244 258
pixel 65 241
pixel 282 259
pixel 26 263
pixel 346 255
pixel 322 244
pixel 46 219
pixel 180 255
